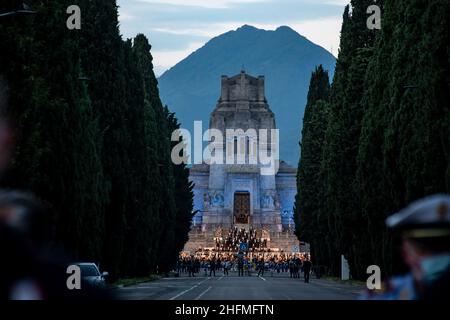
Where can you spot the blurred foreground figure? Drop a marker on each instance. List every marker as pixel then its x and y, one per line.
pixel 29 270
pixel 425 228
pixel 24 272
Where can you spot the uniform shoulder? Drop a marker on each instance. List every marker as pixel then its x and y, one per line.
pixel 396 288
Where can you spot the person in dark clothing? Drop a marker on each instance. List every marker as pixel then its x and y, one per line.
pixel 191 267
pixel 296 268
pixel 196 265
pixel 218 264
pixel 261 268
pixel 226 267
pixel 291 268
pixel 179 267
pixel 212 267
pixel 240 259
pixel 307 269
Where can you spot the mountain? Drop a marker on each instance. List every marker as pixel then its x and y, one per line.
pixel 284 57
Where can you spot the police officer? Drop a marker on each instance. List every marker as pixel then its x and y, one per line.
pixel 425 230
pixel 307 264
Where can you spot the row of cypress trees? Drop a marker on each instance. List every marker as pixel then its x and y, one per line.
pixel 93 138
pixel 379 138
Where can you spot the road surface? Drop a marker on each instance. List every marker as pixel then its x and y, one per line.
pixel 278 287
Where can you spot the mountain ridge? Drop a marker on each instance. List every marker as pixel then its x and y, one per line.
pixel 192 87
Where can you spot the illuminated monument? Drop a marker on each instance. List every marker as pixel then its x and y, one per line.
pixel 240 195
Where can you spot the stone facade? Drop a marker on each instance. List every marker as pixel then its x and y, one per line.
pixel 270 198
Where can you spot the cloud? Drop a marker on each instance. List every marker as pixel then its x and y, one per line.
pixel 206 30
pixel 176 28
pixel 324 32
pixel 201 32
pixel 340 3
pixel 211 4
pixel 337 2
pixel 165 59
pixel 124 16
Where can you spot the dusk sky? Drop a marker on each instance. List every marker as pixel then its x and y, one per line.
pixel 176 28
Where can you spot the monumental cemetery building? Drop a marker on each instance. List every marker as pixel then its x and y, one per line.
pixel 237 197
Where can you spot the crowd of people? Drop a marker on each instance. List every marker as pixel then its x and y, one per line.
pixel 246 266
pixel 233 239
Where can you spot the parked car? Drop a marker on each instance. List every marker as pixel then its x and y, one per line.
pixel 91 275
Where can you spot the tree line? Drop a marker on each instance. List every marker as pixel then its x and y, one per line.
pixel 378 138
pixel 93 137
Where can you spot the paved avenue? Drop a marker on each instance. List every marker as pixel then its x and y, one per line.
pixel 278 287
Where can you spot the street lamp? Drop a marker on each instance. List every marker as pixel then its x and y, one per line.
pixel 24 10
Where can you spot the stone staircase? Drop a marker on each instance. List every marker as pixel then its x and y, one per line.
pixel 199 239
pixel 284 241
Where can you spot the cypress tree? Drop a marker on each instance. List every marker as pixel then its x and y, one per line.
pixel 146 228
pixel 94 137
pixel 403 154
pixel 342 137
pixel 57 153
pixel 184 196
pixel 308 199
pixel 103 61
pixel 387 137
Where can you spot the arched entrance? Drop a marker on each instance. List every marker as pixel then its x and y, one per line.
pixel 241 208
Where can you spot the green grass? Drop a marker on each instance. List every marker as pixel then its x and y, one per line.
pixel 133 281
pixel 351 282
